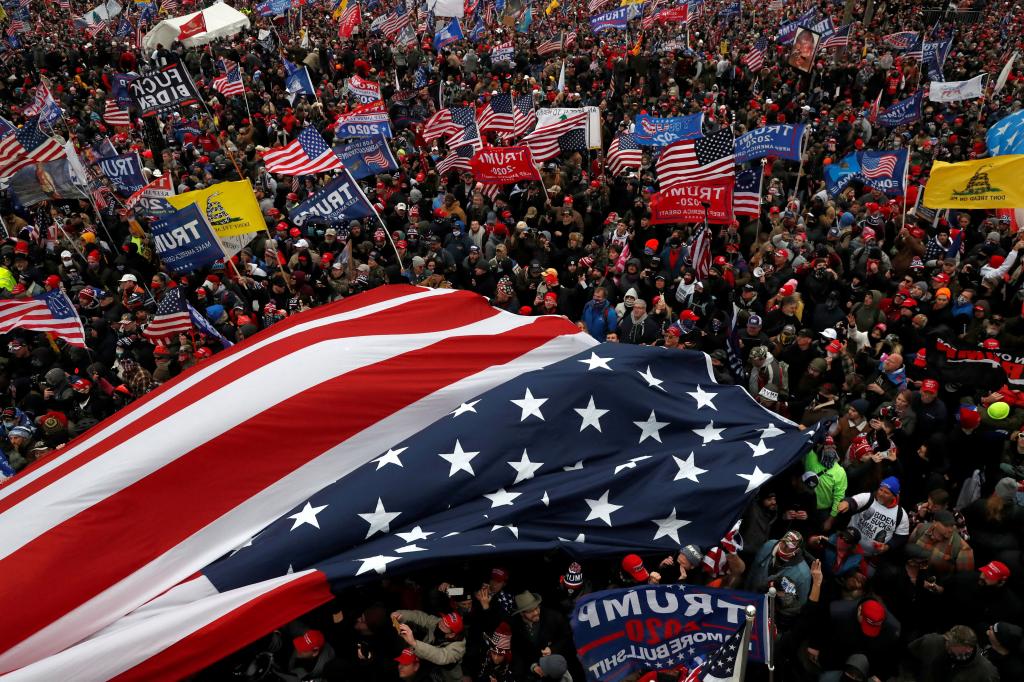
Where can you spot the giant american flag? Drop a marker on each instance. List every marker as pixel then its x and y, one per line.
pixel 546 141
pixel 497 115
pixel 51 312
pixel 623 153
pixel 705 158
pixel 305 155
pixel 534 437
pixel 27 146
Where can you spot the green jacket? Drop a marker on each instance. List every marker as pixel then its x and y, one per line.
pixel 446 655
pixel 831 483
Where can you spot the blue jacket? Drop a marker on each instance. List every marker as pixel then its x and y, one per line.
pixel 599 318
pixel 792 579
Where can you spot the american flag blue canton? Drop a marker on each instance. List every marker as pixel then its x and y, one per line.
pixel 575 139
pixel 312 143
pixel 619 448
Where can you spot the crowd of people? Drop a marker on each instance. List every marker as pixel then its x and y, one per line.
pixel 895 546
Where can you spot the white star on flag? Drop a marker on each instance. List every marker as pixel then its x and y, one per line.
pixel 703 398
pixel 595 361
pixel 770 431
pixel 759 448
pixel 709 433
pixel 651 379
pixel 459 459
pixel 591 415
pixel 687 469
pixel 415 534
pixel 409 549
pixel 602 509
pixel 669 526
pixel 377 563
pixel 501 498
pixel 306 516
pixel 514 529
pixel 464 408
pixel 390 457
pixel 651 428
pixel 755 479
pixel 525 469
pixel 631 464
pixel 379 519
pixel 530 406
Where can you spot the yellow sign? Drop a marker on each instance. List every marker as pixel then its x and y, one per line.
pixel 230 207
pixel 626 3
pixel 982 183
pixel 552 6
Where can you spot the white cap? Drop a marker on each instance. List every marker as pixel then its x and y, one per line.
pixel 128 278
pixel 829 334
pixel 65 254
pixel 302 244
pixel 401 207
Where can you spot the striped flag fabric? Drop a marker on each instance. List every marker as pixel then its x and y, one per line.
pixel 880 166
pixel 457 123
pixel 901 40
pixel 231 82
pixel 189 504
pixel 497 115
pixel 775 6
pixel 395 22
pixel 305 155
pixel 524 114
pixel 700 252
pixel 457 159
pixel 570 39
pixel 550 46
pixel 544 142
pixel 51 312
pixel 42 99
pixel 705 158
pixel 594 5
pixel 26 146
pixel 754 59
pixel 839 38
pixel 746 194
pixel 623 153
pixel 114 115
pixel 171 317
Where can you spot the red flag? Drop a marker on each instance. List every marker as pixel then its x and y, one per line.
pixel 192 27
pixel 504 165
pixel 350 18
pixel 682 203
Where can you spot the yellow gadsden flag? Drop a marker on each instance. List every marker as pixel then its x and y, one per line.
pixel 982 183
pixel 231 207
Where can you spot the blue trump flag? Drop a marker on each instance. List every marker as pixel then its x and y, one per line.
pixel 884 170
pixel 1006 136
pixel 787 30
pixel 615 19
pixel 202 324
pixel 840 173
pixel 125 172
pixel 184 240
pixel 616 449
pixel 651 627
pixel 783 141
pixel 297 81
pixel 449 34
pixel 660 132
pixel 338 202
pixel 933 55
pixel 272 8
pixel 904 112
pixel 367 156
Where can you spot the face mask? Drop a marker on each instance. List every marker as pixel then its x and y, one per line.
pixel 9 425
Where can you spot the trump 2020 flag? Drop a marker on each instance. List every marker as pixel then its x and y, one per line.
pixel 840 173
pixel 185 241
pixel 534 437
pixel 954 91
pixel 367 156
pixel 297 81
pixel 884 170
pixel 1006 136
pixel 337 202
pixel 449 34
pixel 784 141
pixel 904 112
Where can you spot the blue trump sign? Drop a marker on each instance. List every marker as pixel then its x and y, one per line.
pixel 184 241
pixel 125 172
pixel 652 627
pixel 340 200
pixel 661 132
pixel 782 141
pixel 903 112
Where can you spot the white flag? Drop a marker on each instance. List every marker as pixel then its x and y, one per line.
pixel 561 78
pixel 1004 74
pixel 954 91
pixel 75 167
pixel 448 8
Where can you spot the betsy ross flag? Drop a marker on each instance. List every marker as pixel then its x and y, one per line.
pixel 231 82
pixel 305 155
pixel 754 59
pixel 27 146
pixel 171 317
pixel 114 115
pixel 637 454
pixel 746 193
pixel 51 313
pixel 705 158
pixel 546 142
pixel 623 153
pixel 457 158
pixel 497 115
pixel 457 123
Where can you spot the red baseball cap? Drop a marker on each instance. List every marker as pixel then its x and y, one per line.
pixel 990 344
pixel 995 570
pixel 453 621
pixel 872 615
pixel 633 565
pixel 309 642
pixel 407 657
pixel 929 386
pixel 499 574
pixel 941 277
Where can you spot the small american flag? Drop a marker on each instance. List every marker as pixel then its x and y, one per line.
pixel 26 146
pixel 700 252
pixel 901 40
pixel 754 59
pixel 231 82
pixel 497 115
pixel 51 312
pixel 546 143
pixel 594 5
pixel 524 115
pixel 550 46
pixel 879 167
pixel 169 7
pixel 705 158
pixel 726 663
pixel 398 20
pixel 775 6
pixel 457 158
pixel 114 115
pixel 570 39
pixel 305 155
pixel 458 123
pixel 746 194
pixel 64 5
pixel 171 318
pixel 623 153
pixel 93 30
pixel 839 38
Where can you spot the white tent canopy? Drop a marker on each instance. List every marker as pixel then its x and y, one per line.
pixel 221 20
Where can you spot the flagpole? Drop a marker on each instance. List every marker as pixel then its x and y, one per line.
pixel 906 179
pixel 770 634
pixel 744 652
pixel 760 194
